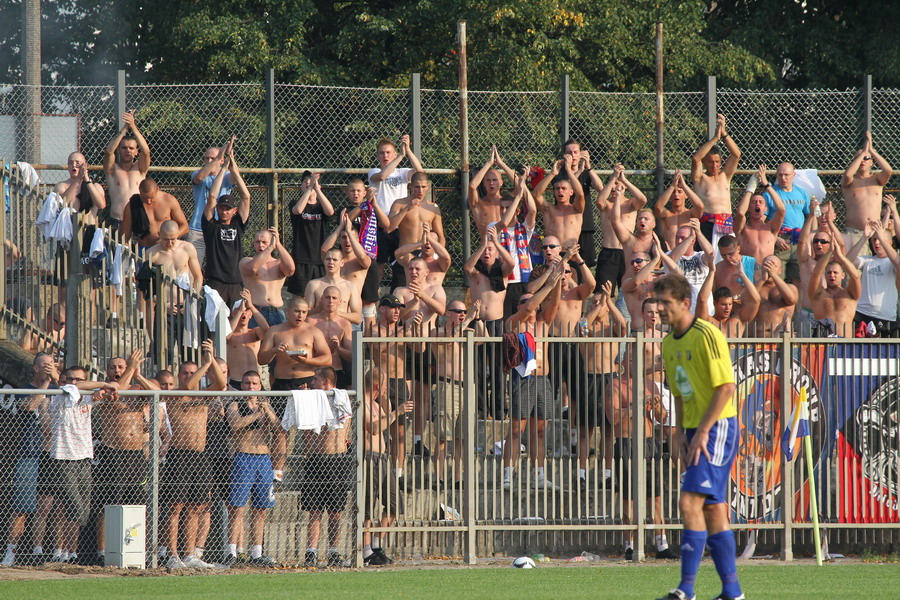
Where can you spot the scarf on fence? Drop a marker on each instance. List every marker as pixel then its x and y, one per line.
pixel 368 230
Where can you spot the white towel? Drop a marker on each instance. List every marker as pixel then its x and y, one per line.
pixel 48 213
pixel 340 408
pixel 61 228
pixel 214 304
pixel 191 322
pixel 307 410
pixel 28 173
pixel 71 395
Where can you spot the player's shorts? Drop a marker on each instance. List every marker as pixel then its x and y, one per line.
pixel 589 395
pixel 185 478
pixel 710 477
pixel 446 408
pixel 610 267
pixel 326 480
pixel 251 479
pixel 532 396
pixel 119 476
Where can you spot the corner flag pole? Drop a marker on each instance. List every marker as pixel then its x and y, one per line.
pixel 813 502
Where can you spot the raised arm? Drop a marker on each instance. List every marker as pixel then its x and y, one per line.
pixel 544 183
pixel 476 180
pixel 615 219
pixel 413 159
pixel 734 153
pixel 701 310
pixel 327 207
pixel 697 206
pixel 739 217
pixel 854 285
pixel 443 257
pixel 498 160
pixel 285 260
pixel 638 199
pixel 884 238
pixel 389 168
pixel 884 175
pixel 306 194
pixel 578 195
pixel 777 219
pixel 588 283
pixel 109 153
pixel 670 265
pixel 209 210
pixel 857 247
pixel 750 298
pixel 703 150
pixel 814 287
pixel 659 207
pixel 508 262
pixel 243 193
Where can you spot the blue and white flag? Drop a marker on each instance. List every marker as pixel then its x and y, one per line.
pixel 797 427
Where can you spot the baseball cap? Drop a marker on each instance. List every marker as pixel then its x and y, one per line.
pixel 226 201
pixel 391 301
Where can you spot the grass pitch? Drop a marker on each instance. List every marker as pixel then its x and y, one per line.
pixel 760 582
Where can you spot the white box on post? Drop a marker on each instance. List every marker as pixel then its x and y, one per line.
pixel 126 536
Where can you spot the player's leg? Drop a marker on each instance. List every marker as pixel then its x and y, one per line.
pixel 722 548
pixel 693 539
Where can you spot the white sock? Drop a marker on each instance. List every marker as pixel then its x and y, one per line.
pixel 607 472
pixel 629 545
pixel 417 438
pixel 376 542
pixel 38 550
pixel 333 550
pixel 582 473
pixel 313 550
pixel 241 549
pixel 57 553
pixel 198 552
pixel 507 472
pixel 163 551
pixel 367 551
pixel 256 551
pixel 232 549
pixel 539 472
pixel 399 472
pixel 278 474
pixel 661 543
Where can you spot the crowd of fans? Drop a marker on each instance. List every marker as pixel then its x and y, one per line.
pixel 777 264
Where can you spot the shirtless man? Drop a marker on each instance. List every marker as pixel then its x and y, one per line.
pixel 126 162
pixel 449 390
pixel 813 244
pixel 488 270
pixel 356 260
pixel 641 239
pixel 580 159
pixel 677 214
pixel 714 185
pixel 297 347
pixel 730 319
pixel 432 252
pixel 611 265
pixel 377 417
pixel 176 258
pixel 329 473
pixel 367 220
pixel 264 275
pixel 242 344
pixel 638 284
pixel 777 300
pixel 565 217
pixel 756 235
pixel 253 422
pixel 516 230
pixel 158 207
pixel 862 189
pixel 533 399
pixel 834 302
pixel 420 296
pixel 79 191
pixel 733 265
pixel 552 251
pixel 338 333
pixel 485 208
pixel 601 369
pixel 409 215
pixel 351 304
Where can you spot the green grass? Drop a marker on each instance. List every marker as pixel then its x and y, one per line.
pixel 760 582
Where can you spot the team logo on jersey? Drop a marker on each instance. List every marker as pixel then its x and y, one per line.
pixel 756 476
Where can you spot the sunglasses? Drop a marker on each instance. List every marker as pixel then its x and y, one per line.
pixel 637 261
pixel 821 241
pixel 568 272
pixel 460 311
pixel 550 246
pixel 867 157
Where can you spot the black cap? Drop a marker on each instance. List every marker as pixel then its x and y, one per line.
pixel 391 301
pixel 226 201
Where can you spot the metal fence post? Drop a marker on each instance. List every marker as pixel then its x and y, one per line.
pixel 787 468
pixel 74 297
pixel 710 106
pixel 272 205
pixel 866 105
pixel 464 142
pixel 415 113
pixel 564 110
pixel 358 384
pixel 154 478
pixel 638 458
pixel 660 127
pixel 469 402
pixel 121 105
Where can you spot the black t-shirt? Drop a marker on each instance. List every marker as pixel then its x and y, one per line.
pixel 224 249
pixel 309 233
pixel 588 224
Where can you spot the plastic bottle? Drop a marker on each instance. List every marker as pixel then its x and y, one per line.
pixel 588 557
pixel 818 207
pixel 583 327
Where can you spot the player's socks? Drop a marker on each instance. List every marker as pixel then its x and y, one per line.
pixel 692 544
pixel 722 548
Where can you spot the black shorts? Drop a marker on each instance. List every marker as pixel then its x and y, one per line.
pixel 589 398
pixel 303 274
pixel 48 475
pixel 230 292
pixel 185 478
pixel 74 492
pixel 344 379
pixel 708 228
pixel 610 267
pixel 419 366
pixel 387 245
pixel 279 403
pixel 371 285
pixel 326 480
pixel 566 365
pixel 622 450
pixel 120 476
pixel 397 392
pixel 218 457
pixel 587 250
pixel 380 487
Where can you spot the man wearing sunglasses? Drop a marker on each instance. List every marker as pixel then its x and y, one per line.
pixel 814 243
pixel 862 190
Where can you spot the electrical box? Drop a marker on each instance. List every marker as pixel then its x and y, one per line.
pixel 126 536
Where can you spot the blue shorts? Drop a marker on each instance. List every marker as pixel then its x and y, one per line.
pixel 25 486
pixel 251 476
pixel 272 315
pixel 710 477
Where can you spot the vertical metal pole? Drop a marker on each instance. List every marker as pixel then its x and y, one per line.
pixel 638 460
pixel 272 206
pixel 31 77
pixel 469 475
pixel 660 132
pixel 6 236
pixel 867 104
pixel 710 106
pixel 74 297
pixel 464 140
pixel 154 477
pixel 415 113
pixel 564 111
pixel 787 468
pixel 121 105
pixel 358 366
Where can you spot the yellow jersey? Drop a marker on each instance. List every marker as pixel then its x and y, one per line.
pixel 697 362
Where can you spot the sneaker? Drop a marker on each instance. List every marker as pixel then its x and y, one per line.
pixel 263 561
pixel 545 484
pixel 312 559
pixel 73 560
pixel 335 559
pixel 192 562
pixel 174 563
pixel 507 483
pixel 420 449
pixel 666 554
pixel 629 553
pixel 458 485
pixel 9 559
pixel 375 560
pixel 677 594
pixel 385 557
pixel 582 484
pixel 230 560
pixel 724 597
